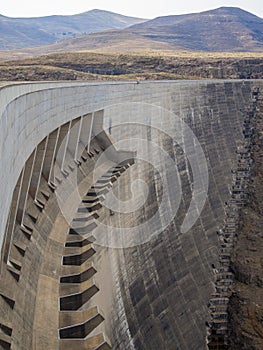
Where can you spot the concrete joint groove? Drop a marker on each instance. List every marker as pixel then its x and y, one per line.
pixel 5 336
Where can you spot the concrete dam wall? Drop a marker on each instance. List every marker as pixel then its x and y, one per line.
pixel 113 199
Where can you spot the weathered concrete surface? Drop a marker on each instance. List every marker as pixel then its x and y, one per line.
pixel 28 117
pixel 154 278
pixel 153 295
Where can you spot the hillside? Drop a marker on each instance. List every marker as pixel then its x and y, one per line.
pixel 224 29
pixel 152 65
pixel 18 33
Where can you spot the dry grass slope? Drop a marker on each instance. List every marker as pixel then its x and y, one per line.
pixel 154 65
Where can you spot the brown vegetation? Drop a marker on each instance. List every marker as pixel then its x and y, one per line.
pixel 86 65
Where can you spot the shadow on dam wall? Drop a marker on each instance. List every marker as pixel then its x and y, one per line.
pixel 100 250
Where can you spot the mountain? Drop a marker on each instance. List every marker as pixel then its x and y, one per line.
pixel 223 29
pixel 16 33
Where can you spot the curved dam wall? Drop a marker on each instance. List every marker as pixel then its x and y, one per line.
pixel 155 246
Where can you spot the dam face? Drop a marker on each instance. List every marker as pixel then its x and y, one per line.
pixel 113 196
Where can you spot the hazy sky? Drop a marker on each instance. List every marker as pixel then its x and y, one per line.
pixel 138 8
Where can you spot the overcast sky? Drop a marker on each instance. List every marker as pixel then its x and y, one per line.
pixel 138 8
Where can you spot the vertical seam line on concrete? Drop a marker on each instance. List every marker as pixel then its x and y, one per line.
pixel 66 146
pixel 53 156
pixel 28 186
pixel 77 143
pixel 16 209
pixel 90 131
pixel 41 168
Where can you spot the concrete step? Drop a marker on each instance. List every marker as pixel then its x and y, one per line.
pixel 218 308
pixel 97 342
pixel 105 180
pixel 219 315
pixel 89 208
pixel 82 229
pixel 224 282
pixel 78 274
pixel 5 335
pixel 79 324
pixel 90 200
pixel 80 241
pixel 74 296
pixel 85 218
pixel 77 237
pixel 8 299
pixel 98 187
pixel 14 272
pixel 219 301
pixel 66 289
pixel 222 289
pixel 21 247
pixel 5 340
pixel 82 254
pixel 15 263
pixel 27 231
pixel 96 191
pixel 225 275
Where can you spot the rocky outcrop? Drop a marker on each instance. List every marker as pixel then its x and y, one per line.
pixel 246 302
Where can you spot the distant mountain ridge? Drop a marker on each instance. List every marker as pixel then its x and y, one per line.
pixel 222 29
pixel 229 29
pixel 16 33
pixel 227 12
